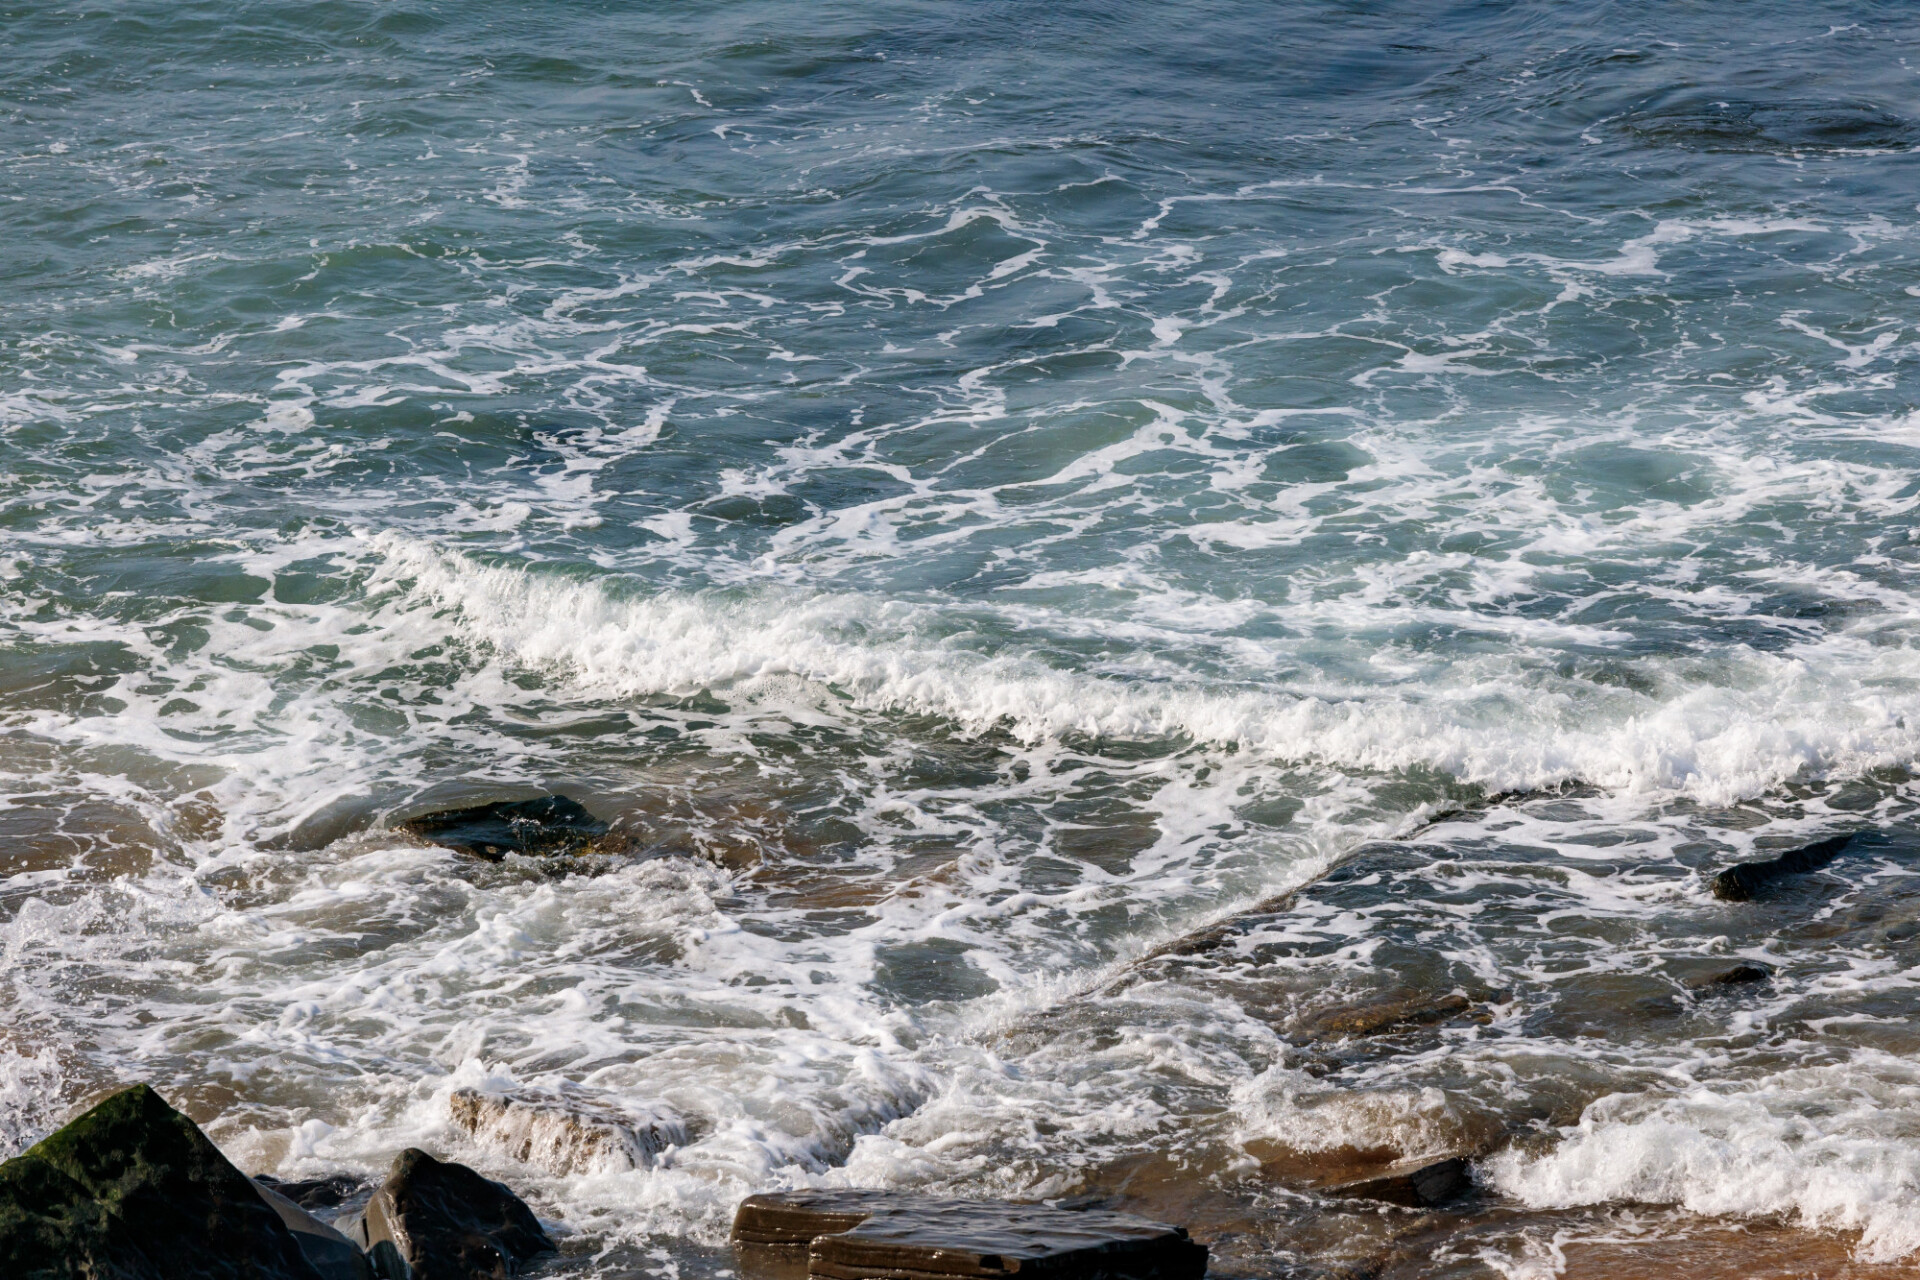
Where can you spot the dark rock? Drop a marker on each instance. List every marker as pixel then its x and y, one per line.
pixel 443 1221
pixel 331 1254
pixel 1739 975
pixel 315 1193
pixel 1416 1183
pixel 1745 881
pixel 866 1235
pixel 132 1190
pixel 546 826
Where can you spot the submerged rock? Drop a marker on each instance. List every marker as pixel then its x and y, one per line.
pixel 132 1190
pixel 1415 1010
pixel 1416 1184
pixel 1745 881
pixel 562 1135
pixel 546 826
pixel 1740 975
pixel 867 1235
pixel 436 1220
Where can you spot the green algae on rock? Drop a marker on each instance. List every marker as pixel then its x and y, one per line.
pixel 132 1190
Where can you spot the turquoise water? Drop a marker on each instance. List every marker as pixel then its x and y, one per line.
pixel 971 492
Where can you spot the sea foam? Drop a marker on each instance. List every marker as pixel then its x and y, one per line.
pixel 1719 728
pixel 1832 1146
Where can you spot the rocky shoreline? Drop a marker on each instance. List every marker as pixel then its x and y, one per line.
pixel 132 1190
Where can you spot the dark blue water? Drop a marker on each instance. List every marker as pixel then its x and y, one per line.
pixel 970 493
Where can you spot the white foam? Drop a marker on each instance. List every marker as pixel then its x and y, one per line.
pixel 1836 1147
pixel 33 1090
pixel 1721 728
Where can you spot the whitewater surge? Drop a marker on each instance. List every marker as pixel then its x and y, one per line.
pixel 1829 1146
pixel 1718 730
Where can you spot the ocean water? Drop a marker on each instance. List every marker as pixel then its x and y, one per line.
pixel 974 494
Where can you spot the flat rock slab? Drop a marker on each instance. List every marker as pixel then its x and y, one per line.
pixel 797 1217
pixel 545 826
pixel 871 1235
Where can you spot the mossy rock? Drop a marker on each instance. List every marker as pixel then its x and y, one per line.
pixel 132 1190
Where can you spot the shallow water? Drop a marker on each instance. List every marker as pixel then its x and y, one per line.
pixel 974 496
